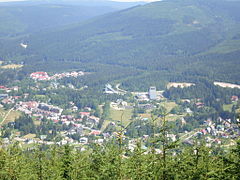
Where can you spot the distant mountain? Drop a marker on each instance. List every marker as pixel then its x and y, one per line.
pixel 32 16
pixel 170 40
pixel 166 28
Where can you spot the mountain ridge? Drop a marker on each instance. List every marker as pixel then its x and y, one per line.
pixel 166 37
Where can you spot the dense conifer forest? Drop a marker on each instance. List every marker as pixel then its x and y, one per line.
pixel 114 161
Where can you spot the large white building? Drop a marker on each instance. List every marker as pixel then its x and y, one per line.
pixel 152 93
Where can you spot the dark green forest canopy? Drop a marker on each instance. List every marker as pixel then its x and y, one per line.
pixel 112 162
pixel 160 42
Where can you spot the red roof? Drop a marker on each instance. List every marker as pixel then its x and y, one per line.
pixel 40 73
pixel 85 113
pixel 95 132
pixel 2 87
pixel 234 98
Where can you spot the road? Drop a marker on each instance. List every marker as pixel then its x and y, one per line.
pixel 189 135
pixel 120 90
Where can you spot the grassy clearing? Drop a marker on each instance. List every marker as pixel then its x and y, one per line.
pixel 168 105
pixel 2 114
pixel 227 107
pixel 29 136
pixel 115 115
pixel 12 66
pixel 105 124
pixel 173 117
pixel 225 47
pixel 170 117
pixel 13 115
pixel 238 111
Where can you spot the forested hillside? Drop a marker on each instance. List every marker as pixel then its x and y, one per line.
pixel 167 41
pixel 29 18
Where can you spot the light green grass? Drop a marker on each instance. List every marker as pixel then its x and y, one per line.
pixel 105 124
pixel 168 105
pixel 10 118
pixel 11 66
pixel 227 107
pixel 116 115
pixel 2 114
pixel 225 47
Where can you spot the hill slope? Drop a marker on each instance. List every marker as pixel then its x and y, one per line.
pixel 168 40
pixel 27 17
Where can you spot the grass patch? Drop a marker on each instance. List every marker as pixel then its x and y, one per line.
pixel 12 66
pixel 170 117
pixel 2 114
pixel 115 115
pixel 168 105
pixel 29 136
pixel 105 124
pixel 227 107
pixel 225 47
pixel 13 115
pixel 173 117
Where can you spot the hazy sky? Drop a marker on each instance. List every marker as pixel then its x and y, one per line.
pixel 90 0
pixel 10 0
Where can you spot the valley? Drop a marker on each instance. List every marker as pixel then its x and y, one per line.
pixel 114 90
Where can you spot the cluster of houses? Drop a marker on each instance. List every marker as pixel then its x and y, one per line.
pixel 43 76
pixel 34 108
pixel 120 105
pixel 215 131
pixel 7 89
pixel 83 124
pixel 5 98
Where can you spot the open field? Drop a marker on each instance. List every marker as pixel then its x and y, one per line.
pixel 227 85
pixel 227 107
pixel 181 85
pixel 169 105
pixel 29 136
pixel 2 114
pixel 105 124
pixel 11 66
pixel 170 117
pixel 11 117
pixel 115 115
pixel 238 111
pixel 173 117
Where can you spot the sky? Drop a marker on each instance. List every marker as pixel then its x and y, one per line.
pixel 10 0
pixel 90 0
pixel 135 0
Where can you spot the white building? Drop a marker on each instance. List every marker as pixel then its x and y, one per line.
pixel 152 93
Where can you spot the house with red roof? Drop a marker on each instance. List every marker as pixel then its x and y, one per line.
pixel 40 76
pixel 83 114
pixel 234 98
pixel 95 132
